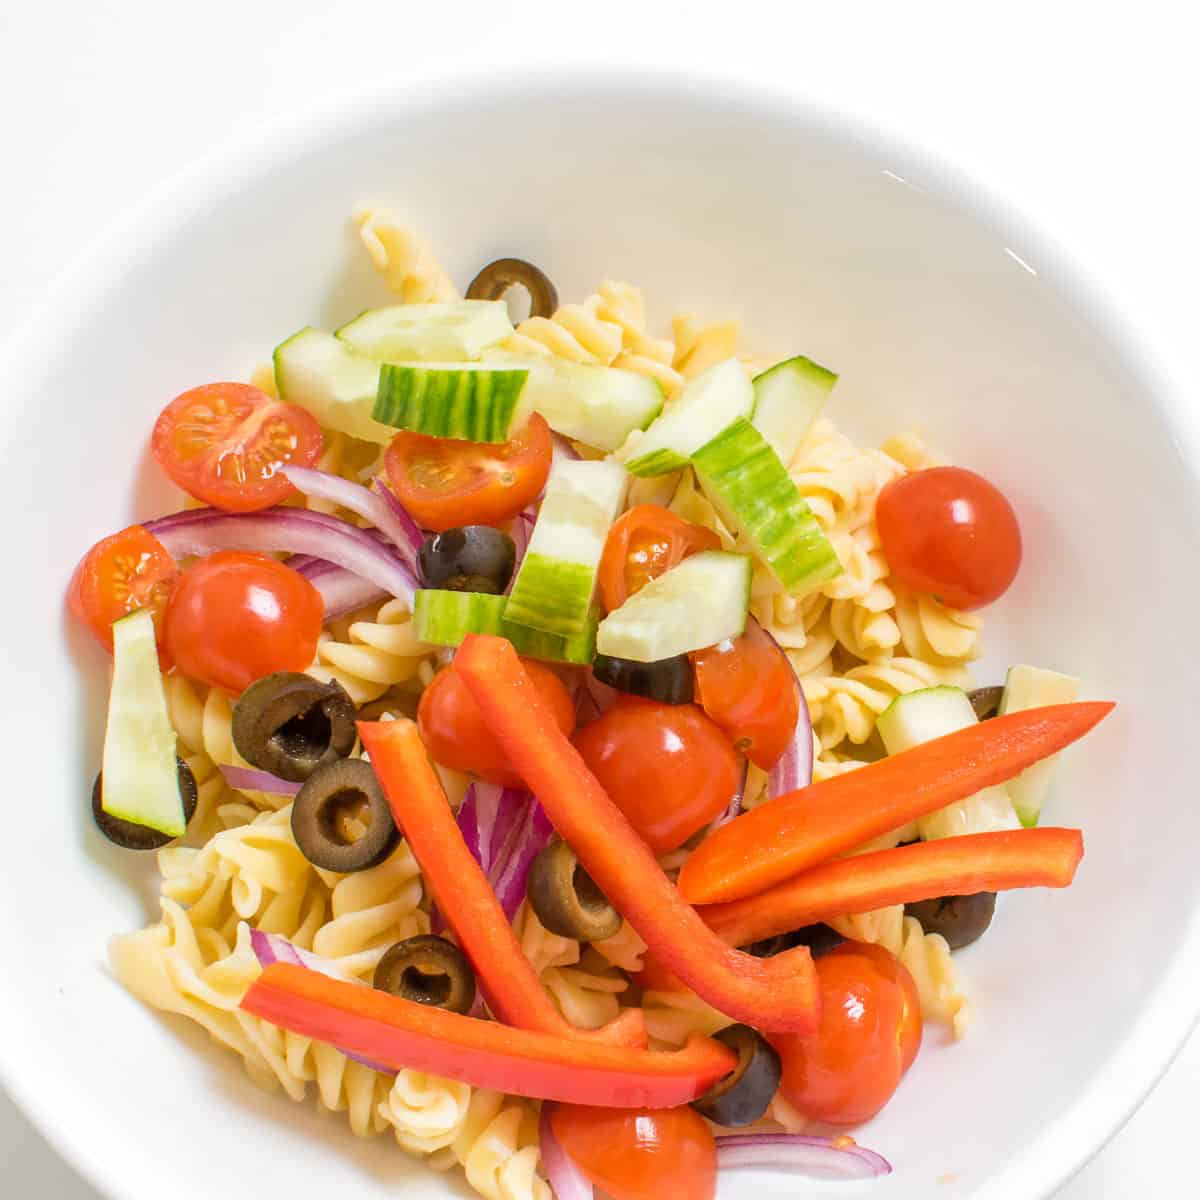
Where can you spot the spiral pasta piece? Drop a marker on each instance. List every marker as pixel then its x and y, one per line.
pixel 931 631
pixel 404 259
pixel 425 1112
pixel 368 657
pixel 673 1017
pixel 700 345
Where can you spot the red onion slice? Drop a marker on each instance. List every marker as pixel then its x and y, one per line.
pixel 567 1181
pixel 795 766
pixel 818 1158
pixel 412 531
pixel 735 805
pixel 251 780
pixel 342 592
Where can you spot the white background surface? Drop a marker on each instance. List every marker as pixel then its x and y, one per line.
pixel 1084 119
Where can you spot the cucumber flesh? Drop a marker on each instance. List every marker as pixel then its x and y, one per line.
pixel 1033 687
pixel 700 602
pixel 931 713
pixel 710 403
pixel 788 398
pixel 756 498
pixel 553 588
pixel 140 776
pixel 474 402
pixel 452 332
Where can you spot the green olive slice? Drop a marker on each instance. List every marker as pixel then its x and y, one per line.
pixel 497 277
pixel 986 701
pixel 291 724
pixel 341 820
pixel 128 834
pixel 745 1094
pixel 566 900
pixel 428 970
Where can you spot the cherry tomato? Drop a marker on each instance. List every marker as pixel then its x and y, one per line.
pixel 454 731
pixel 747 686
pixel 950 532
pixel 667 767
pixel 446 483
pixel 235 617
pixel 641 545
pixel 121 573
pixel 869 1034
pixel 640 1153
pixel 225 443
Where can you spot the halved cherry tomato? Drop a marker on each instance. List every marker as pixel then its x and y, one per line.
pixel 645 542
pixel 235 617
pixel 869 1034
pixel 121 573
pixel 225 443
pixel 950 532
pixel 445 483
pixel 454 732
pixel 748 687
pixel 667 767
pixel 640 1153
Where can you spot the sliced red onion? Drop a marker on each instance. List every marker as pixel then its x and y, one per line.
pixel 341 591
pixel 819 1158
pixel 594 698
pixel 795 766
pixel 735 805
pixel 567 1181
pixel 533 836
pixel 251 780
pixel 412 531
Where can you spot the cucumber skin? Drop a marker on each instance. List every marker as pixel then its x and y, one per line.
pixel 748 485
pixel 785 431
pixel 470 406
pixel 549 593
pixel 657 462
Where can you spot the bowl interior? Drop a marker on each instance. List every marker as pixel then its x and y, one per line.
pixel 822 244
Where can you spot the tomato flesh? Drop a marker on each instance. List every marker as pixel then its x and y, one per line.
pixel 640 1153
pixel 644 543
pixel 667 767
pixel 445 483
pixel 949 532
pixel 234 617
pixel 454 731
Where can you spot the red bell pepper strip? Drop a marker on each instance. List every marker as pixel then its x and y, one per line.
pixel 955 866
pixel 776 995
pixel 464 896
pixel 397 1033
pixel 803 828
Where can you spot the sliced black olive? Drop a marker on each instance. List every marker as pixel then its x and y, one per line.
pixel 669 681
pixel 986 701
pixel 961 920
pixel 428 970
pixel 819 939
pixel 341 820
pixel 746 1092
pixel 497 277
pixel 291 724
pixel 472 558
pixel 566 900
pixel 128 834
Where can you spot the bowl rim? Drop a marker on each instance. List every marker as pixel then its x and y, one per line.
pixel 1167 1019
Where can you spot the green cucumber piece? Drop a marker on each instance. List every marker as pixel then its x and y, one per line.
pixel 711 402
pixel 1032 687
pixel 930 713
pixel 454 332
pixel 788 398
pixel 755 497
pixel 140 775
pixel 698 603
pixel 553 588
pixel 473 402
pixel 322 374
pixel 444 618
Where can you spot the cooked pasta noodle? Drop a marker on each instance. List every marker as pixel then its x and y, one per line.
pixel 368 657
pixel 404 259
pixel 426 1113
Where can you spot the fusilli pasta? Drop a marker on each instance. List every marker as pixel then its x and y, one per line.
pixel 367 657
pixel 404 259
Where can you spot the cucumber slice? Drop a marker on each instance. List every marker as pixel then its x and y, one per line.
pixel 453 332
pixel 444 618
pixel 698 603
pixel 931 713
pixel 141 780
pixel 322 374
pixel 754 496
pixel 1032 687
pixel 788 398
pixel 710 403
pixel 474 402
pixel 553 589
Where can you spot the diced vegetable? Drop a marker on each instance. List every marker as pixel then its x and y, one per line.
pixel 788 398
pixel 141 780
pixel 553 589
pixel 707 406
pixel 754 495
pixel 1031 687
pixel 930 713
pixel 452 332
pixel 471 402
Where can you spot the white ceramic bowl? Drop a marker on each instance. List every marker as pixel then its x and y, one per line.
pixel 938 313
